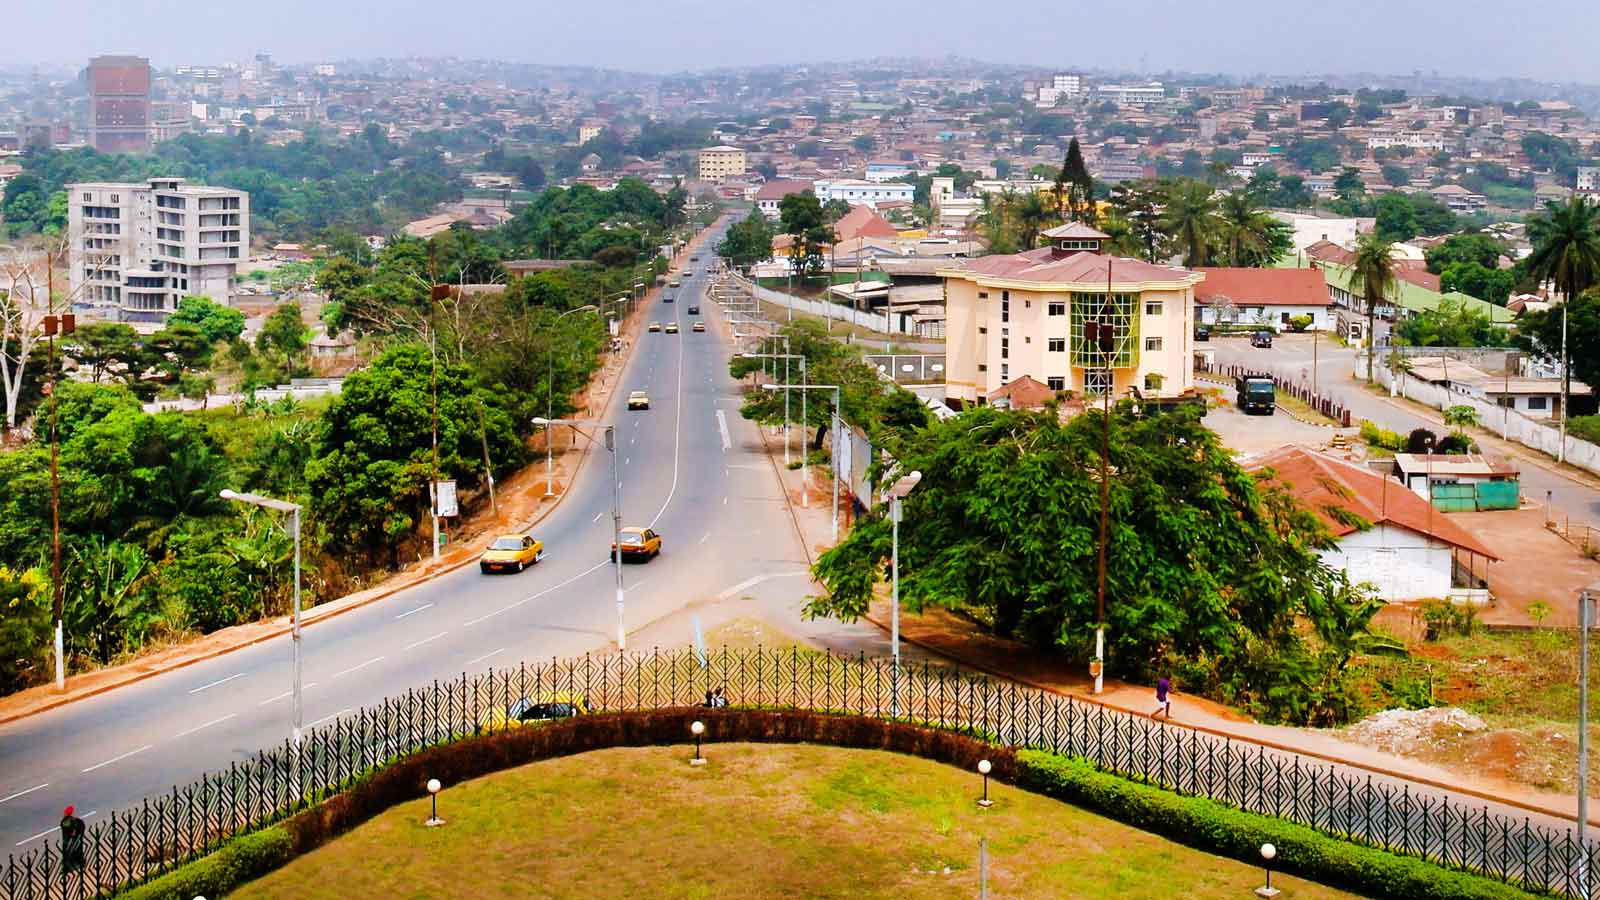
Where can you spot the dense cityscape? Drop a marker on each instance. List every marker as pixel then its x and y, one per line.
pixel 1200 469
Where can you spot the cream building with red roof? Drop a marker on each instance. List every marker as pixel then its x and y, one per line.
pixel 1026 314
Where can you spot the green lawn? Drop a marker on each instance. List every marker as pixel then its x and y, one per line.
pixel 758 821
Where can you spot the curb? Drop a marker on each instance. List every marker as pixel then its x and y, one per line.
pixel 310 617
pixel 1259 742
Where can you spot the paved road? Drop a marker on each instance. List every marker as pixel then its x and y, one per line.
pixel 690 467
pixel 1291 356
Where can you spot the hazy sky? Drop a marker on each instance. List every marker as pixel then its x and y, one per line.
pixel 1534 38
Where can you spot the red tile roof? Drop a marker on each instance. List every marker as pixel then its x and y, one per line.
pixel 1077 231
pixel 1321 483
pixel 1275 287
pixel 861 221
pixel 1043 266
pixel 777 190
pixel 1023 392
pixel 1328 251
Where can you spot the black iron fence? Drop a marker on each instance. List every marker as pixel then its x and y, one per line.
pixel 134 845
pixel 1298 389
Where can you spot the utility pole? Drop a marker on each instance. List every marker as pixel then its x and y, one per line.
pixel 64 324
pixel 1583 739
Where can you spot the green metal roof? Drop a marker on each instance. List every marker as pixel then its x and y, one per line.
pixel 1418 299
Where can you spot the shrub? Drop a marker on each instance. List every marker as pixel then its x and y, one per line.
pixel 1585 427
pixel 1300 323
pixel 1210 826
pixel 239 861
pixel 1381 437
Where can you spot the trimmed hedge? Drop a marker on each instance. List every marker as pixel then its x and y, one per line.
pixel 243 859
pixel 1200 823
pixel 1210 826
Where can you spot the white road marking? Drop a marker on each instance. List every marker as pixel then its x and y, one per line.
pixel 413 611
pixel 724 501
pixel 677 443
pixel 706 537
pixel 286 694
pixel 357 668
pixel 217 682
pixel 423 641
pixel 722 426
pixel 597 516
pixel 326 718
pixel 52 830
pixel 37 787
pixel 547 590
pixel 206 725
pixel 626 460
pixel 473 662
pixel 117 758
pixel 752 582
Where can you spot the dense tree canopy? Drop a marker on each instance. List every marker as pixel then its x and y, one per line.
pixel 1209 569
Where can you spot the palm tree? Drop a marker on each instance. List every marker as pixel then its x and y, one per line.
pixel 1191 219
pixel 1373 274
pixel 1254 238
pixel 1566 250
pixel 1032 212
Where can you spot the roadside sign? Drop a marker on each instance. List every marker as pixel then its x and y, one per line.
pixel 445 491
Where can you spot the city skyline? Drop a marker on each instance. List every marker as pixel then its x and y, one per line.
pixel 1254 38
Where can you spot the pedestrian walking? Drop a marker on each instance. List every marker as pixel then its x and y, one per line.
pixel 1163 698
pixel 71 841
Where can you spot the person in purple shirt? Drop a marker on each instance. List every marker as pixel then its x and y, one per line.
pixel 1163 698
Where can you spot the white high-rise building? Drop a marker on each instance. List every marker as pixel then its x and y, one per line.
pixel 137 249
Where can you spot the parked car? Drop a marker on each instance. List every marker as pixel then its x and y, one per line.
pixel 1261 339
pixel 511 553
pixel 1202 333
pixel 638 400
pixel 532 710
pixel 642 544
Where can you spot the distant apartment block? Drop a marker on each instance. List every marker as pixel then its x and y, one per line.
pixel 1589 179
pixel 720 163
pixel 137 249
pixel 1416 140
pixel 771 195
pixel 119 104
pixel 889 171
pixel 1064 85
pixel 1132 94
pixel 864 193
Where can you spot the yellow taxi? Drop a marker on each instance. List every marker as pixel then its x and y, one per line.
pixel 528 711
pixel 511 553
pixel 642 544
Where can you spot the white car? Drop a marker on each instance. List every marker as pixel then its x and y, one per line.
pixel 638 400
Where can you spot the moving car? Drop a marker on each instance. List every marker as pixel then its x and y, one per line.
pixel 1255 394
pixel 666 298
pixel 688 273
pixel 642 544
pixel 699 326
pixel 672 328
pixel 1261 339
pixel 655 326
pixel 511 553
pixel 638 400
pixel 1202 333
pixel 694 259
pixel 529 711
pixel 674 283
pixel 694 310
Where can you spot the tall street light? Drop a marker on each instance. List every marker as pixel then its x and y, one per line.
pixel 833 423
pixel 897 494
pixel 616 509
pixel 549 405
pixel 293 509
pixel 785 357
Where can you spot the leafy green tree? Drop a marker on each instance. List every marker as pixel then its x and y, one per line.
pixel 109 605
pixel 100 347
pixel 835 209
pixel 180 347
pixel 1373 274
pixel 1190 218
pixel 1396 217
pixel 1540 333
pixel 1253 238
pixel 215 321
pixel 1470 247
pixel 1474 280
pixel 1566 251
pixel 802 219
pixel 1205 562
pixel 1396 175
pixel 1451 325
pixel 1349 186
pixel 1074 187
pixel 1140 204
pixel 25 627
pixel 749 241
pixel 369 478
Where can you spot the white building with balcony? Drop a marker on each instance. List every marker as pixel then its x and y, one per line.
pixel 138 249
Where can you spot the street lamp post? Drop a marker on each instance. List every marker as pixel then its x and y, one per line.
pixel 833 423
pixel 786 357
pixel 549 407
pixel 896 495
pixel 293 509
pixel 616 511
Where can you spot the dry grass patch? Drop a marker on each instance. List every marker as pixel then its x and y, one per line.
pixel 759 821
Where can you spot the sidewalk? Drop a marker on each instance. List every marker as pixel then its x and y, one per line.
pixel 522 502
pixel 957 640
